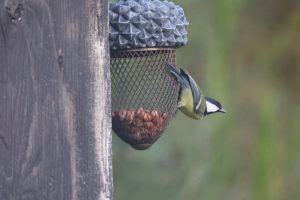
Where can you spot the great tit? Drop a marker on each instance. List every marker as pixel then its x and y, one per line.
pixel 191 100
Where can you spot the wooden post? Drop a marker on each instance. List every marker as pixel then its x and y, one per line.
pixel 55 123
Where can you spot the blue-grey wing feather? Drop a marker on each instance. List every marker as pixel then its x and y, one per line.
pixel 194 87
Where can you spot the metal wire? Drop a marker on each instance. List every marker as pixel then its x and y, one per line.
pixel 140 79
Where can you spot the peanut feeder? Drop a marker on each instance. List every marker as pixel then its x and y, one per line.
pixel 143 37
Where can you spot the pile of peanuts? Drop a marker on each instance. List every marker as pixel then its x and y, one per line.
pixel 139 124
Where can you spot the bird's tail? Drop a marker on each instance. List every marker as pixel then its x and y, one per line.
pixel 174 71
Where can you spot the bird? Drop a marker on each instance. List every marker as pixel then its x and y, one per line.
pixel 192 102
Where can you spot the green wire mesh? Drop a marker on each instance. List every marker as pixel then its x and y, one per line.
pixel 144 94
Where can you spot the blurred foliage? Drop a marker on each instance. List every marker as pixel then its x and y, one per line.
pixel 246 54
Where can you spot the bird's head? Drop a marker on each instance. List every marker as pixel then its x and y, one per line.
pixel 213 106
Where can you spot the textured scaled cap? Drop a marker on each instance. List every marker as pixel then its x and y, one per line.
pixel 146 23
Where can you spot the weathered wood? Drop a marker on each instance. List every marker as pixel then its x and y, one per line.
pixel 55 122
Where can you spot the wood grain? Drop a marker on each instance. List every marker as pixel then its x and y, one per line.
pixel 55 122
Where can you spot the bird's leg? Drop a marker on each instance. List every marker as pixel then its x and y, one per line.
pixel 179 104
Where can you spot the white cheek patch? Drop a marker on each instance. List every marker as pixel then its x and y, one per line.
pixel 211 107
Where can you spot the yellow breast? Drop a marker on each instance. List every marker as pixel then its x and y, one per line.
pixel 187 104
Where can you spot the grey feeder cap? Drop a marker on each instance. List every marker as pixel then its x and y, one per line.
pixel 146 24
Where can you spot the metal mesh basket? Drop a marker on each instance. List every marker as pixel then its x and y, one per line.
pixel 144 94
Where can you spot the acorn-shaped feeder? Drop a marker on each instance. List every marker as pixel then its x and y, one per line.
pixel 143 37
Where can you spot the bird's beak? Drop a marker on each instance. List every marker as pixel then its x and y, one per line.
pixel 222 110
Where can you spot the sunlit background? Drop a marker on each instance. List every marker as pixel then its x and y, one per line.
pixel 246 54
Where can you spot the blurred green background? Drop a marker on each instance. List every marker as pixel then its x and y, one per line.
pixel 246 54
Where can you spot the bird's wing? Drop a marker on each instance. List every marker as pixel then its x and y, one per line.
pixel 194 87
